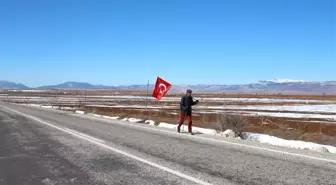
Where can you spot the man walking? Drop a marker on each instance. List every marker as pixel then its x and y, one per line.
pixel 186 110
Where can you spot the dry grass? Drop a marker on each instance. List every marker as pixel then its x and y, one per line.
pixel 237 123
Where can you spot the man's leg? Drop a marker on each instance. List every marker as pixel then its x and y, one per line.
pixel 182 117
pixel 189 124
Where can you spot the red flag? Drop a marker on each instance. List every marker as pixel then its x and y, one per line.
pixel 161 88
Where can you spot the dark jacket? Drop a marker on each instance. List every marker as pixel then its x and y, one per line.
pixel 186 103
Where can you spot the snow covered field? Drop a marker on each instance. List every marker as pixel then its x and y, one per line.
pixel 325 108
pixel 290 115
pixel 164 99
pixel 327 111
pixel 321 109
pixel 176 99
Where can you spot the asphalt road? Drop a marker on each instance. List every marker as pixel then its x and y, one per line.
pixel 48 147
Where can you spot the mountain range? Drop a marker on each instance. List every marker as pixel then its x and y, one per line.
pixel 11 85
pixel 264 86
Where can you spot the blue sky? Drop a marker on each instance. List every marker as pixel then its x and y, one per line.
pixel 183 41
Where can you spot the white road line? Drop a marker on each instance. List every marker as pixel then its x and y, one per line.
pixel 177 173
pixel 216 140
pixel 84 135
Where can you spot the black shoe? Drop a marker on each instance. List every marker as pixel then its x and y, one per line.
pixel 178 130
pixel 191 133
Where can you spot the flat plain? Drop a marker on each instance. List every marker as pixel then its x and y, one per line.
pixel 289 116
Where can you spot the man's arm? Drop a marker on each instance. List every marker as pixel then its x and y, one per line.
pixel 193 102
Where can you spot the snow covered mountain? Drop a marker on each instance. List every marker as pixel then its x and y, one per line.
pixel 282 81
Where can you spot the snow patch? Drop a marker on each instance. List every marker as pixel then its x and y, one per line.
pixel 47 107
pixel 34 105
pixel 66 108
pixel 109 117
pixel 134 120
pixel 79 112
pixel 263 138
pixel 167 125
pixel 150 122
pixel 229 133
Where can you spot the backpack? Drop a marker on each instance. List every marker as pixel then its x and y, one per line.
pixel 183 106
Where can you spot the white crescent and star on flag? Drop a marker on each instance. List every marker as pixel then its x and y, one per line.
pixel 161 91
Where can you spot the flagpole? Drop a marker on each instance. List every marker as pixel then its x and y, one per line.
pixel 147 97
pixel 161 87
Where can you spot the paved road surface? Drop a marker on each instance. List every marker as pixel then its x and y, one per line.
pixel 48 147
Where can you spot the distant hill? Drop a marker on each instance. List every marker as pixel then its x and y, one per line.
pixel 264 86
pixel 11 85
pixel 76 85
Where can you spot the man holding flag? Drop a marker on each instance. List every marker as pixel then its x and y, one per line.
pixel 187 101
pixel 185 106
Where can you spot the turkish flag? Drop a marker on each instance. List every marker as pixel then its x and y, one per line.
pixel 161 88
